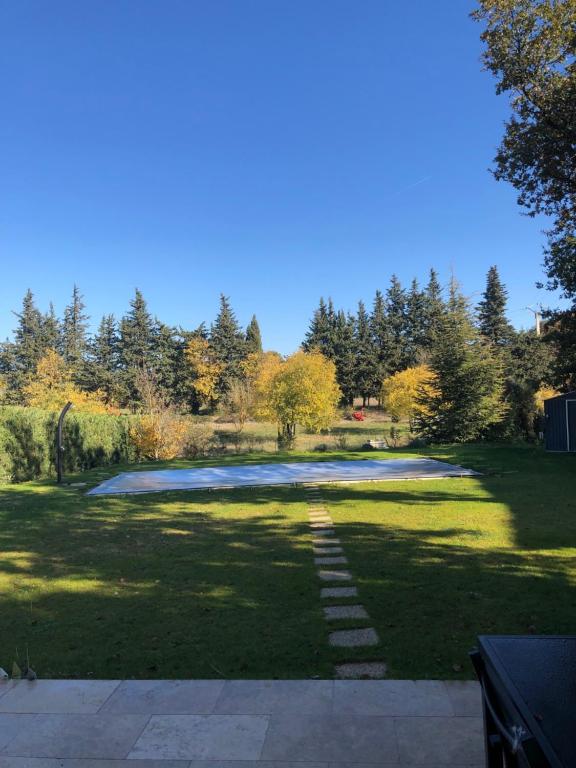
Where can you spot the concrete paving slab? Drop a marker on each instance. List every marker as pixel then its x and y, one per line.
pixel 465 697
pixel 324 532
pixel 417 698
pixel 327 550
pixel 331 738
pixel 335 575
pixel 322 526
pixel 337 612
pixel 361 670
pixel 443 740
pixel 157 697
pixel 324 519
pixel 327 592
pixel 202 737
pixel 71 762
pixel 102 736
pixel 353 638
pixel 11 726
pixel 57 696
pixel 326 560
pixel 268 697
pixel 322 542
pixel 278 474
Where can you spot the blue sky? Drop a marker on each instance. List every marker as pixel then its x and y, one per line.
pixel 273 150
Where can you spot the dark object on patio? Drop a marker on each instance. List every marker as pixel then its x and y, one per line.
pixel 560 422
pixel 529 699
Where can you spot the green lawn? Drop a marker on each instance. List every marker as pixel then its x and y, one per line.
pixel 198 584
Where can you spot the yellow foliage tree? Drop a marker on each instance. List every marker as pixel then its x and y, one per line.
pixel 544 393
pixel 402 391
pixel 159 433
pixel 300 390
pixel 51 387
pixel 205 370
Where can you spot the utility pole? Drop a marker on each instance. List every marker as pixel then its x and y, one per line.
pixel 538 318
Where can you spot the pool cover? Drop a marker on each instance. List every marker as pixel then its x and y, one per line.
pixel 278 474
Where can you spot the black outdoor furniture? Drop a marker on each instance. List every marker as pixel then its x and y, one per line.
pixel 529 699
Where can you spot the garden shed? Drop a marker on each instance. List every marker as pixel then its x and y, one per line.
pixel 560 428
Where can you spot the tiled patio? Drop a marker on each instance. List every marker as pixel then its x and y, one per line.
pixel 239 724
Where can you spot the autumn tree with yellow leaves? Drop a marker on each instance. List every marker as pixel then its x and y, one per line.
pixel 300 390
pixel 403 393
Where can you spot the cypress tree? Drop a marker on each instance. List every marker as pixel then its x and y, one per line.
pixel 74 334
pixel 366 362
pixel 344 356
pixel 253 337
pixel 492 320
pixel 468 378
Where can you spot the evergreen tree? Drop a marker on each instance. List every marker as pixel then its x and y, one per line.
pixel 397 324
pixel 74 334
pixel 253 337
pixel 19 358
pixel 168 354
pixel 52 330
pixel 320 335
pixel 344 356
pixel 492 320
pixel 103 359
pixel 136 347
pixel 366 364
pixel 228 344
pixel 467 400
pixel 416 326
pixel 381 337
pixel 434 308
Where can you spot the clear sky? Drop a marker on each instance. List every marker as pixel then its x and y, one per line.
pixel 273 150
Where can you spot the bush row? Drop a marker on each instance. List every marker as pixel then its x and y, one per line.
pixel 28 442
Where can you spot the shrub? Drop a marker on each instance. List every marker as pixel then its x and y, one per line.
pixel 28 442
pixel 199 440
pixel 159 436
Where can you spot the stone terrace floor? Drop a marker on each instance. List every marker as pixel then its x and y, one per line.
pixel 239 724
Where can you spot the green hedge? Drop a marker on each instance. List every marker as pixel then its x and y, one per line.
pixel 28 442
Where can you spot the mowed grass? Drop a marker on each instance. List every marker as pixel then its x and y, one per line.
pixel 222 584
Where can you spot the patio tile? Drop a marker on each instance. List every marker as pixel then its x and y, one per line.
pixel 353 638
pixel 442 740
pixel 322 542
pixel 391 697
pixel 465 696
pixel 11 726
pixel 202 737
pixel 102 736
pixel 57 696
pixel 331 738
pixel 338 592
pixel 336 612
pixel 361 670
pixel 335 575
pixel 79 762
pixel 339 560
pixel 251 764
pixel 327 550
pixel 158 697
pixel 267 697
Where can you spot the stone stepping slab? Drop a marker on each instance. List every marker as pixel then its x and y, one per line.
pixel 339 560
pixel 361 670
pixel 324 542
pixel 321 526
pixel 353 638
pixel 335 575
pixel 336 612
pixel 327 550
pixel 327 592
pixel 321 520
pixel 324 532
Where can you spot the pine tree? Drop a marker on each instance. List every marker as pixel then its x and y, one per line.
pixel 381 337
pixel 74 334
pixel 320 335
pixel 434 308
pixel 103 359
pixel 168 353
pixel 416 326
pixel 344 356
pixel 228 344
pixel 492 320
pixel 467 400
pixel 397 324
pixel 136 346
pixel 253 337
pixel 51 330
pixel 366 363
pixel 19 358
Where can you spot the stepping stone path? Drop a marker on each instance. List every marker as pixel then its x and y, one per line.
pixel 328 551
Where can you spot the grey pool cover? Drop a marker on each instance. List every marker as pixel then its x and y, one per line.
pixel 279 474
